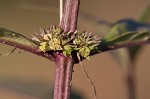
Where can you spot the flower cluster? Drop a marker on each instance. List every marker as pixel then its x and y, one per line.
pixel 55 39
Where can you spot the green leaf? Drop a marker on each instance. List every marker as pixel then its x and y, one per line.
pixel 16 39
pixel 125 39
pixel 116 30
pixel 145 16
pixel 133 51
pixel 126 26
pixel 129 37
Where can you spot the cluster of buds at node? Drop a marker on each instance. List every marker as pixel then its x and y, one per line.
pixel 55 39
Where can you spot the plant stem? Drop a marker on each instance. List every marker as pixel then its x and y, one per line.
pixel 64 69
pixel 130 81
pixel 103 47
pixel 70 15
pixel 64 65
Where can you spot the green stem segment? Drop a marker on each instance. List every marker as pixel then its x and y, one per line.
pixel 130 81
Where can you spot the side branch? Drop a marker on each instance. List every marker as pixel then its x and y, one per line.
pixel 19 41
pixel 107 47
pixel 33 50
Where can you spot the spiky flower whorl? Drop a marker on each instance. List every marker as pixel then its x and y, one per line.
pixel 55 39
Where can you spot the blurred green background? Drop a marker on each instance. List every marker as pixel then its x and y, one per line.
pixel 27 76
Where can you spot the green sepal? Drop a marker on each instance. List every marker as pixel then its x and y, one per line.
pixel 67 49
pixel 84 52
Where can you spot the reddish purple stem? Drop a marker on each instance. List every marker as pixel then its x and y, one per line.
pixel 70 15
pixel 64 65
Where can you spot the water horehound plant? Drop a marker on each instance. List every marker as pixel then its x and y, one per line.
pixel 66 46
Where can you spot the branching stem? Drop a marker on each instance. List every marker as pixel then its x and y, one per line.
pixel 108 47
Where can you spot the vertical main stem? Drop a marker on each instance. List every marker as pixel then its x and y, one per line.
pixel 70 15
pixel 64 65
pixel 64 70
